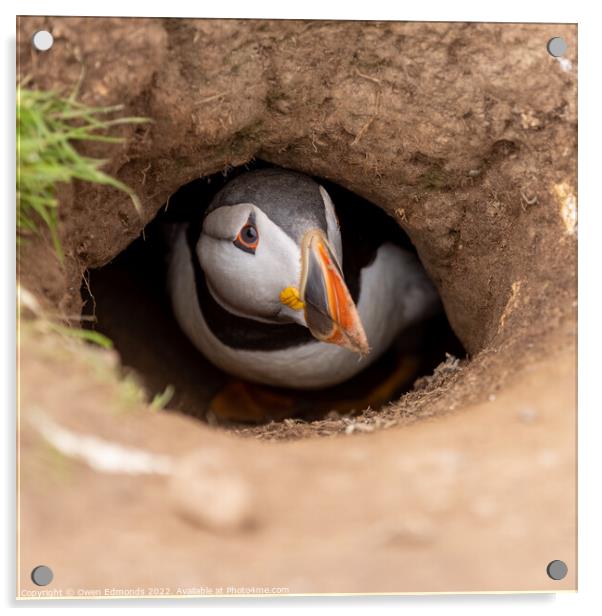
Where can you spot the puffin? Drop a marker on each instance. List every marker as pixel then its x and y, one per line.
pixel 260 284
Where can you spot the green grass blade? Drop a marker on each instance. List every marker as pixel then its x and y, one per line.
pixel 47 125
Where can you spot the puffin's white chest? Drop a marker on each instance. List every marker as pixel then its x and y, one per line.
pixel 394 293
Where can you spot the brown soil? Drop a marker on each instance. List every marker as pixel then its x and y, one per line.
pixel 466 134
pixel 479 499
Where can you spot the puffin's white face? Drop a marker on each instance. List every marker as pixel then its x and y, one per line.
pixel 248 260
pixel 256 270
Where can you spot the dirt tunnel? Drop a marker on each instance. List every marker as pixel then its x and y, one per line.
pixel 127 299
pixel 467 142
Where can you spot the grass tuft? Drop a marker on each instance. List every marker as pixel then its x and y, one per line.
pixel 87 335
pixel 160 401
pixel 47 127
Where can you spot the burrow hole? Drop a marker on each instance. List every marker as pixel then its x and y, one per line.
pixel 127 301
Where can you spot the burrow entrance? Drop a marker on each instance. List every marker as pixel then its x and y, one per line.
pixel 127 300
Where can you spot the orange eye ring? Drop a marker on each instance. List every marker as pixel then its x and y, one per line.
pixel 247 238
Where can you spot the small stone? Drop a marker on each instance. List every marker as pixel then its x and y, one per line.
pixel 530 120
pixel 484 508
pixel 413 530
pixel 211 493
pixel 359 427
pixel 547 458
pixel 527 415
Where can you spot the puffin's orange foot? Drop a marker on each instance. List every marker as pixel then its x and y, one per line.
pixel 387 388
pixel 240 401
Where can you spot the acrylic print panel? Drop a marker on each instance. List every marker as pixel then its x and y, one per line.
pixel 297 307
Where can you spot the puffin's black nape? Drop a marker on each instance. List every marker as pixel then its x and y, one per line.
pixel 131 305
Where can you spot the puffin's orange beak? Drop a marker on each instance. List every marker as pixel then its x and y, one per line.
pixel 330 313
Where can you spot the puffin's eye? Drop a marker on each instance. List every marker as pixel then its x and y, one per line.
pixel 247 238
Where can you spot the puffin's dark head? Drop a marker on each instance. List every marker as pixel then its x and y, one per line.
pixel 271 250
